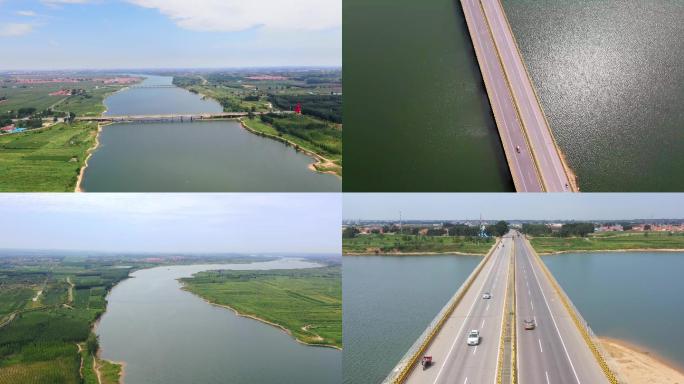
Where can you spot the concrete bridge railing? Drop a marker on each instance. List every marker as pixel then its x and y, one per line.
pixel 416 351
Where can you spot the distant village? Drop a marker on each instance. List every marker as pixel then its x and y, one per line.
pixel 451 228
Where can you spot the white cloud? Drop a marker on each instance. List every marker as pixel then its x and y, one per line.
pixel 237 15
pixel 27 13
pixel 15 29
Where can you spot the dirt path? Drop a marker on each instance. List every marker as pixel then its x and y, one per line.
pixel 71 290
pixel 80 369
pixel 96 368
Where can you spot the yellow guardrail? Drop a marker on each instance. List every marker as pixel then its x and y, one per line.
pixel 576 319
pixel 408 367
pixel 504 324
pixel 514 330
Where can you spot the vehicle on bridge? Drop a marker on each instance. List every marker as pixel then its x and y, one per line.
pixel 426 362
pixel 486 295
pixel 529 324
pixel 474 337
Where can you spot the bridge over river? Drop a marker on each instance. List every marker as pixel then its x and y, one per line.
pixel 560 349
pixel 182 118
pixel 534 159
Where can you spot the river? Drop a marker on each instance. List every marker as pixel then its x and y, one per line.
pixel 610 76
pixel 166 335
pixel 632 296
pixel 218 156
pixel 388 303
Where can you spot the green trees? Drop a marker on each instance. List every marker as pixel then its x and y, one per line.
pixel 576 229
pixel 536 229
pixel 93 344
pixel 350 232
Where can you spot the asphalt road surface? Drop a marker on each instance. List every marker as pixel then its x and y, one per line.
pixel 454 361
pixel 532 156
pixel 554 352
pixel 538 132
pixel 518 154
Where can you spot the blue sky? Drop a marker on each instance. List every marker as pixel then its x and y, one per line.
pixel 103 34
pixel 174 223
pixel 580 206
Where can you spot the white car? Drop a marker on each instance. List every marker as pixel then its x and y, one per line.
pixel 474 337
pixel 486 295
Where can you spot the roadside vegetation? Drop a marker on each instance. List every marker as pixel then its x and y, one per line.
pixel 608 241
pixel 40 334
pixel 446 238
pixel 306 302
pixel 398 244
pixel 45 160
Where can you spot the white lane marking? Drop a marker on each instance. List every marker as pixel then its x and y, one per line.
pixel 553 318
pixel 460 330
pixel 529 293
pixel 466 381
pixel 532 305
pixel 475 350
pixel 540 347
pixel 547 377
pixel 483 321
pixel 527 283
pixel 487 309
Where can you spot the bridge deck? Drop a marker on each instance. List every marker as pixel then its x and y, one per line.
pixel 554 352
pixel 532 154
pixel 454 360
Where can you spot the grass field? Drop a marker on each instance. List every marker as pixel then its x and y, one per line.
pixel 46 160
pixel 397 244
pixel 325 141
pixel 306 302
pixel 634 240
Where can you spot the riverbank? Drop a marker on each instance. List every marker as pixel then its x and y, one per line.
pixel 304 303
pixel 89 154
pixel 630 241
pixel 414 254
pixel 321 163
pixel 640 366
pixel 402 244
pixel 613 251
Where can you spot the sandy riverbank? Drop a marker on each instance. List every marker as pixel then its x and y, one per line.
pixel 613 250
pixel 640 366
pixel 238 313
pixel 89 154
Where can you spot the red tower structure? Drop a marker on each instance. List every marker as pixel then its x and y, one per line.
pixel 298 109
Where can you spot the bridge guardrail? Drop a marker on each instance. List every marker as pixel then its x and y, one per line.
pixel 604 360
pixel 411 357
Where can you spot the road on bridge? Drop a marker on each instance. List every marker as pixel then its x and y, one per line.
pixel 533 157
pixel 454 360
pixel 555 351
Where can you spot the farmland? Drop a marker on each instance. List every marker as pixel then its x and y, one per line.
pixel 305 302
pixel 45 160
pixel 41 334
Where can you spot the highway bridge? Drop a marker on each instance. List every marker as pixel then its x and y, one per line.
pixel 561 349
pixel 533 157
pixel 172 117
